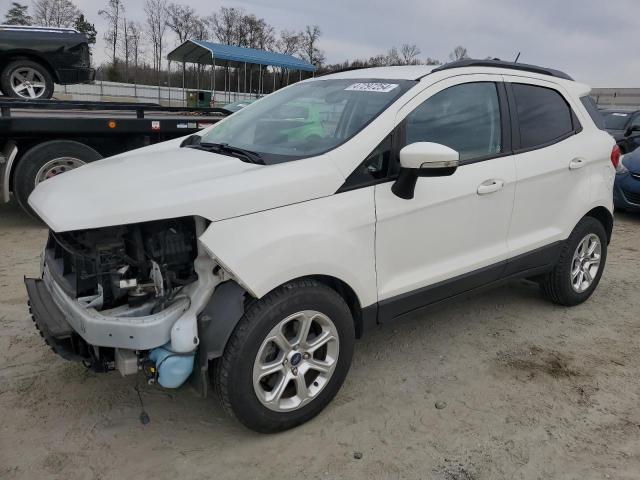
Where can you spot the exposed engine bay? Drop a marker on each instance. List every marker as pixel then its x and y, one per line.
pixel 125 265
pixel 126 297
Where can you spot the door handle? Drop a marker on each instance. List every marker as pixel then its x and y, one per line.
pixel 490 186
pixel 577 163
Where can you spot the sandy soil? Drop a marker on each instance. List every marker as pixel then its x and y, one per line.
pixel 532 391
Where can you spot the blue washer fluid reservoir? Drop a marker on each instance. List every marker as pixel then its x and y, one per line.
pixel 173 368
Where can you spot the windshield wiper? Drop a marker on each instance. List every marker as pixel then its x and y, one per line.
pixel 226 149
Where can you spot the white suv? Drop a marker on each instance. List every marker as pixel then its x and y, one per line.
pixel 257 251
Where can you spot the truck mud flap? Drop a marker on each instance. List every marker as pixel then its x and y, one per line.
pixel 51 323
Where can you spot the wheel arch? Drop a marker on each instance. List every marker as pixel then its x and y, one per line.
pixel 605 217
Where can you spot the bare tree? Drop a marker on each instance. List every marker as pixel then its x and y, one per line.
pixel 156 11
pixel 125 47
pixel 289 42
pixel 55 13
pixel 409 54
pixel 310 50
pixel 225 25
pixel 459 53
pixel 113 15
pixel 200 29
pixel 135 31
pixel 254 32
pixel 182 20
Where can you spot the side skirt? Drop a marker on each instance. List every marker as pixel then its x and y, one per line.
pixel 531 264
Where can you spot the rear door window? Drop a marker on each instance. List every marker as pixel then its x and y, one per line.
pixel 544 115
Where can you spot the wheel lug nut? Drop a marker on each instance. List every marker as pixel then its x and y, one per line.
pixel 285 361
pixel 294 370
pixel 306 355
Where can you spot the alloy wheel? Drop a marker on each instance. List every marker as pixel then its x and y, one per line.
pixel 295 361
pixel 27 82
pixel 586 262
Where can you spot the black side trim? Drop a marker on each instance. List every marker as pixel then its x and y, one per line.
pixel 536 262
pixel 410 301
pixel 368 320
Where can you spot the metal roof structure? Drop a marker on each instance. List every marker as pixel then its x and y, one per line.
pixel 209 53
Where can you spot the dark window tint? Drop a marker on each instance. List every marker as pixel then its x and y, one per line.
pixel 543 114
pixel 464 117
pixel 592 110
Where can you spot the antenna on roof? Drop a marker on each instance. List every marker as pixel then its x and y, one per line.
pixel 517 57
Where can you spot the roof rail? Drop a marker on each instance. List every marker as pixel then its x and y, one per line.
pixel 497 63
pixel 35 28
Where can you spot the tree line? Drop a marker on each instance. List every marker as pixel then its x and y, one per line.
pixel 136 50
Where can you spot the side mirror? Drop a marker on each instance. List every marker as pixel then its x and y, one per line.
pixel 423 159
pixel 630 130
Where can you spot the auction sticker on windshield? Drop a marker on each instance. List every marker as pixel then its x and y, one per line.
pixel 372 87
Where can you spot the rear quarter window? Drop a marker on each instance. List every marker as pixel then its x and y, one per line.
pixel 592 109
pixel 544 116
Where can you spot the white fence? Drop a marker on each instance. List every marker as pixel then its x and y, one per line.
pixel 617 97
pixel 126 92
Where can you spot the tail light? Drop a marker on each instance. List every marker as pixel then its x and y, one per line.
pixel 615 156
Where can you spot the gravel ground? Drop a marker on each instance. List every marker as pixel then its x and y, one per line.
pixel 524 389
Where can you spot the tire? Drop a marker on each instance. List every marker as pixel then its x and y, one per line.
pixel 47 159
pixel 41 81
pixel 560 284
pixel 234 372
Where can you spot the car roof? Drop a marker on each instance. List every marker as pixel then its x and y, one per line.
pixel 437 72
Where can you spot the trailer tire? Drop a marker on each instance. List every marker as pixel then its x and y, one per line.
pixel 44 161
pixel 19 70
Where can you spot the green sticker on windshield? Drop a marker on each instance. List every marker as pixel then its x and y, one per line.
pixel 372 87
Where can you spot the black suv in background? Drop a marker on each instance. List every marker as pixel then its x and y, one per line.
pixel 32 59
pixel 624 126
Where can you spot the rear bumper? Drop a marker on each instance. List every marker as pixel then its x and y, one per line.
pixel 69 76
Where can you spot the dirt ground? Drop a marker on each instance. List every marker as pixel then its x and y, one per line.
pixel 529 389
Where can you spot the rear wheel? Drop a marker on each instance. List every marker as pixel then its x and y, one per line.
pixel 581 263
pixel 287 358
pixel 45 161
pixel 26 79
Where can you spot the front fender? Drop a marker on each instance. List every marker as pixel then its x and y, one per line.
pixel 331 236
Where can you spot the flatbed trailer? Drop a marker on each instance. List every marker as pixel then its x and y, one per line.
pixel 44 138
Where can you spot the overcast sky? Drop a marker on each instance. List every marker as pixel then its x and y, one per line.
pixel 595 41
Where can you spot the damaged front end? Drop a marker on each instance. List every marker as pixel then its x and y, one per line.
pixel 126 297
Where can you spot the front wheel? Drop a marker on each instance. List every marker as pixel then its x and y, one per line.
pixel 287 357
pixel 581 263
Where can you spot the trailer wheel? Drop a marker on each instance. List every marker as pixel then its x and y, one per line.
pixel 45 161
pixel 26 79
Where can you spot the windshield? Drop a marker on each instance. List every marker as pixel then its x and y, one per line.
pixel 308 118
pixel 615 120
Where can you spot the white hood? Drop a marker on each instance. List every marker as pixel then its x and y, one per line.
pixel 156 183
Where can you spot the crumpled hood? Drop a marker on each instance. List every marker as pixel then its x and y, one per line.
pixel 156 182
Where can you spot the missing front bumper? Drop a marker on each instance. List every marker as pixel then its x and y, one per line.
pixel 51 323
